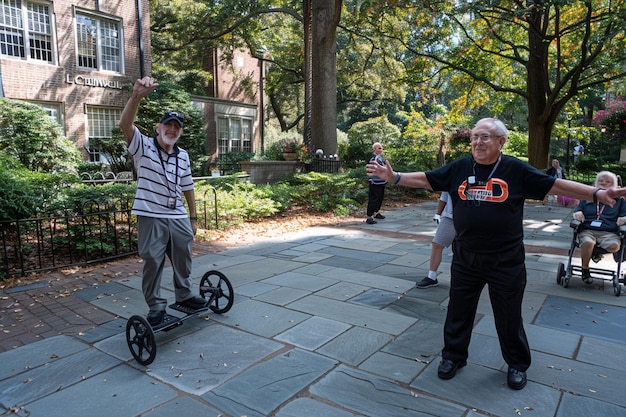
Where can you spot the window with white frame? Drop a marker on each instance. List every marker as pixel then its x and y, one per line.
pixel 26 30
pixel 54 110
pixel 234 134
pixel 99 42
pixel 100 123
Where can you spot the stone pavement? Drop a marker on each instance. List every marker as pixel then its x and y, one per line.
pixel 326 322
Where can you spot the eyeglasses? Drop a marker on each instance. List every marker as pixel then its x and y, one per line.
pixel 176 114
pixel 483 138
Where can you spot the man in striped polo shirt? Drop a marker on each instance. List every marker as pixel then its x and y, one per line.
pixel 163 177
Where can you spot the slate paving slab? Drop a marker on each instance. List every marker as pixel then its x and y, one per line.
pixel 300 281
pixel 393 367
pixel 576 406
pixel 313 333
pixel 579 378
pixel 119 392
pixel 374 396
pixel 264 387
pixel 282 296
pixel 33 355
pixel 183 406
pixel 355 345
pixel 262 319
pixel 422 342
pixel 46 379
pixel 353 314
pixel 600 321
pixel 485 389
pixel 204 360
pixel 311 408
pixel 601 352
pixel 376 298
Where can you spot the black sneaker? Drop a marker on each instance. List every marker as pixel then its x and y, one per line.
pixel 194 303
pixel 370 221
pixel 379 216
pixel 155 317
pixel 587 276
pixel 427 283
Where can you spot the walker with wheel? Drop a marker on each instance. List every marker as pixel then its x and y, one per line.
pixel 566 272
pixel 140 335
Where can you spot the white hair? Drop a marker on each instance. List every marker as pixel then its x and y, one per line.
pixel 497 124
pixel 606 174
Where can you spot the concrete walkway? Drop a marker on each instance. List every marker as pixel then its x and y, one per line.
pixel 327 323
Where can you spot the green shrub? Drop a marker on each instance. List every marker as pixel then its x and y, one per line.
pixel 26 194
pixel 35 139
pixel 323 192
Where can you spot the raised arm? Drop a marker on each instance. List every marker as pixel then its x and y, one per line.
pixel 141 89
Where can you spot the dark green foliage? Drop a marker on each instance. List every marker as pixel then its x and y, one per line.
pixel 116 151
pixel 32 137
pixel 24 194
pixel 589 163
pixel 324 192
pixel 229 162
pixel 83 199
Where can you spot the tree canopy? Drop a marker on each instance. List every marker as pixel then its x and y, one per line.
pixel 523 61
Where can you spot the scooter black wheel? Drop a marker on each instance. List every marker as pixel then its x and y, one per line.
pixel 560 272
pixel 217 288
pixel 141 340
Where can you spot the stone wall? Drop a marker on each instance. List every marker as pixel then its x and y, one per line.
pixel 263 172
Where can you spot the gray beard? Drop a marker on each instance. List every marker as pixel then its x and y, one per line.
pixel 167 140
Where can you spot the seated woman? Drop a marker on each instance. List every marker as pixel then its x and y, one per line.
pixel 599 223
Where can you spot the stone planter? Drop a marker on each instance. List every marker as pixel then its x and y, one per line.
pixel 290 156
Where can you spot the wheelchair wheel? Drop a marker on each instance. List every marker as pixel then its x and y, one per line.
pixel 560 272
pixel 617 288
pixel 141 340
pixel 219 290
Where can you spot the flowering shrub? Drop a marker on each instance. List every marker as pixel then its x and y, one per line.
pixel 613 118
pixel 291 145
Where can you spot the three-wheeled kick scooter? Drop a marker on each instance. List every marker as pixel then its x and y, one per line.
pixel 140 335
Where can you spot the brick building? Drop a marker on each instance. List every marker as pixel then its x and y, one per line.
pixel 74 58
pixel 78 60
pixel 233 110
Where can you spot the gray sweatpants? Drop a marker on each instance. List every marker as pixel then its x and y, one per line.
pixel 157 238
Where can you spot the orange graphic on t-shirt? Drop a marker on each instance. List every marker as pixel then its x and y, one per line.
pixel 485 192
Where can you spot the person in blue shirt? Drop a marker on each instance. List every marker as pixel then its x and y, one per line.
pixel 599 224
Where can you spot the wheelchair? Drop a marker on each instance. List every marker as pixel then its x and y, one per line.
pixel 565 273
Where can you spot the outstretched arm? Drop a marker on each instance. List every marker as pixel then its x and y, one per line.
pixel 142 88
pixel 408 179
pixel 586 192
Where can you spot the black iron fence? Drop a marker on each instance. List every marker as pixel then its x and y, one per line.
pixel 99 233
pixel 324 165
pixel 44 243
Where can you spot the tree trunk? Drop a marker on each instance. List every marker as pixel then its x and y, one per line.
pixel 325 18
pixel 537 93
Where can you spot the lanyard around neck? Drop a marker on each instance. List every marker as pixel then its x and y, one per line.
pixel 599 210
pixel 492 171
pixel 167 181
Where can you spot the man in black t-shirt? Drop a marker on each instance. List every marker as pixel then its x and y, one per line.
pixel 487 191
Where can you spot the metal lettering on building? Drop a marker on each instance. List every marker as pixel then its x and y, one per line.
pixel 93 82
